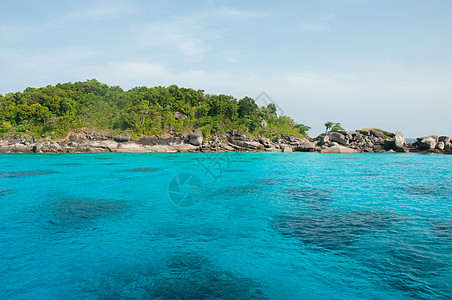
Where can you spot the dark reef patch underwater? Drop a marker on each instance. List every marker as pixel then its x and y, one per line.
pixel 235 226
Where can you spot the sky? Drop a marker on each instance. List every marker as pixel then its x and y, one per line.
pixel 363 63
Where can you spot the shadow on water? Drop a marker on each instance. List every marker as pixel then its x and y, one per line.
pixel 234 171
pixel 74 213
pixel 424 190
pixel 331 230
pixel 5 192
pixel 442 229
pixel 270 181
pixel 184 276
pixel 142 170
pixel 401 261
pixel 238 191
pixel 309 197
pixel 411 267
pixel 26 173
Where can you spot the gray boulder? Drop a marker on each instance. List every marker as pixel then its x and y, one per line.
pixel 427 143
pixel 440 146
pixel 338 138
pixel 448 146
pixel 195 138
pixel 324 139
pixel 377 133
pixel 388 134
pixel 287 149
pixel 122 138
pixel 264 124
pixel 399 139
pixel 338 149
pixel 444 139
pixel 305 147
pixel 178 115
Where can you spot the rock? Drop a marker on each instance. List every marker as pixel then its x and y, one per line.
pixel 122 138
pixel 364 132
pixel 338 137
pixel 389 144
pixel 402 149
pixel 377 133
pixel 427 143
pixel 448 146
pixel 399 139
pixel 333 144
pixel 338 149
pixel 305 147
pixel 287 149
pixel 252 145
pixel 264 124
pixel 195 138
pixel 440 146
pixel 388 134
pixel 178 115
pixel 107 145
pixel 444 139
pixel 324 139
pixel 130 147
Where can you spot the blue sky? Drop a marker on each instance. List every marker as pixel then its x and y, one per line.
pixel 364 63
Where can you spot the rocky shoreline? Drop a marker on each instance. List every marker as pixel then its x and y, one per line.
pixel 233 141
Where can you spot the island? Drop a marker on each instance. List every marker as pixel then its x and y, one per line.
pixel 90 116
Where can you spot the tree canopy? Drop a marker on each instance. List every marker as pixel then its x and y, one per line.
pixel 55 110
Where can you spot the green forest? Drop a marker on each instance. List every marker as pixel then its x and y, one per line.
pixel 56 110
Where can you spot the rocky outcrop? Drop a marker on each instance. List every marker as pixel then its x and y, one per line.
pixel 427 142
pixel 399 140
pixel 380 141
pixel 332 142
pixel 338 138
pixel 361 141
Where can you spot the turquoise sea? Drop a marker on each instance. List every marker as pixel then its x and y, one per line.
pixel 225 226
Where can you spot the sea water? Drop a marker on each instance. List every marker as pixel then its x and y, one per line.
pixel 225 225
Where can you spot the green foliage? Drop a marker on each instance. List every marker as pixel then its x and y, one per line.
pixel 55 110
pixel 331 126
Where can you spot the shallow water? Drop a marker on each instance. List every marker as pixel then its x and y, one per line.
pixel 225 225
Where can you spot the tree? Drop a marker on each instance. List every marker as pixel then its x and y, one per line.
pixel 303 129
pixel 247 107
pixel 272 108
pixel 331 126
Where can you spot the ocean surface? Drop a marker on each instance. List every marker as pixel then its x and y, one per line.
pixel 225 225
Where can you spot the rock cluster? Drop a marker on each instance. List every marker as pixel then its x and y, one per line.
pixel 433 143
pixel 331 142
pixel 378 141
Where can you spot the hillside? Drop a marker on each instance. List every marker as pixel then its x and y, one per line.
pixel 53 111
